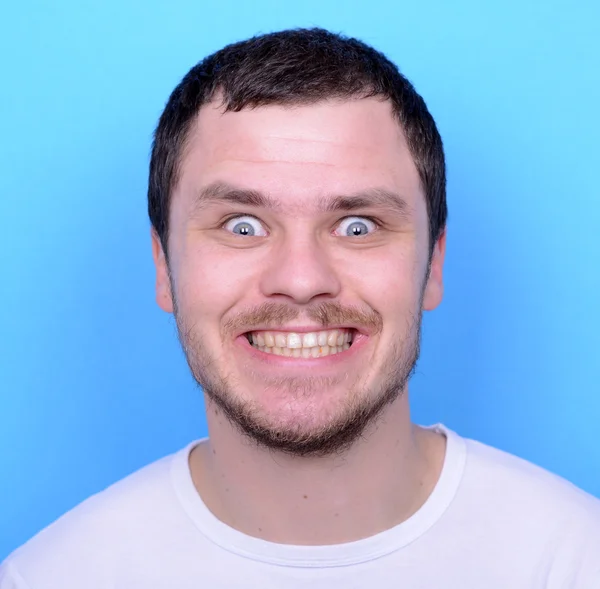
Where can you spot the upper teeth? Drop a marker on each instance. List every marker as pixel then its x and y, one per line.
pixel 316 343
pixel 279 339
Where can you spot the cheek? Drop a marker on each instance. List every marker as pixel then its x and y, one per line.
pixel 209 281
pixel 389 281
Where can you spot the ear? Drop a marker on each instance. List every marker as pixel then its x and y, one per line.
pixel 434 290
pixel 164 296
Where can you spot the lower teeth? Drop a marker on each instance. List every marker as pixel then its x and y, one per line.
pixel 317 352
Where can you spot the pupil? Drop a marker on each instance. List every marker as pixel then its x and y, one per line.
pixel 357 228
pixel 245 229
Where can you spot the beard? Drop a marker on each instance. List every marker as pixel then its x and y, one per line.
pixel 347 423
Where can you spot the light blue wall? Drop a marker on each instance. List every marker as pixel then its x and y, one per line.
pixel 92 382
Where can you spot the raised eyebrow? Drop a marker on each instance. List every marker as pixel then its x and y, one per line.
pixel 376 197
pixel 227 193
pixel 220 192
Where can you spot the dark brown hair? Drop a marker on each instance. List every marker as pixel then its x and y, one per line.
pixel 294 67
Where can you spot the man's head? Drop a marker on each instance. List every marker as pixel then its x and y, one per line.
pixel 297 187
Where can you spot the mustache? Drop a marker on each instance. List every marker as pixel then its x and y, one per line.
pixel 326 314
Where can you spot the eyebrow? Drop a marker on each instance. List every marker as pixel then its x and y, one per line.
pixel 221 192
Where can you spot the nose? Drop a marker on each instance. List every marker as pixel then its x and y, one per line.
pixel 300 270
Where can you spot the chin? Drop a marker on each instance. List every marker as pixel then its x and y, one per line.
pixel 301 422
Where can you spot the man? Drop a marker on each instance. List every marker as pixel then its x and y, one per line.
pixel 297 201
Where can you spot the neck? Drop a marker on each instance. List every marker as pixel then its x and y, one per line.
pixel 379 482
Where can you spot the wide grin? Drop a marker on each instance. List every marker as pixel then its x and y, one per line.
pixel 315 344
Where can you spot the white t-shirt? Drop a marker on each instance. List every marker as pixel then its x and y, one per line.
pixel 493 521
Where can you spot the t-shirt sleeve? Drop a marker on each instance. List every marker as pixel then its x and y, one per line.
pixel 10 578
pixel 589 569
pixel 593 578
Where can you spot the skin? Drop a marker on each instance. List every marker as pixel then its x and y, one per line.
pixel 302 270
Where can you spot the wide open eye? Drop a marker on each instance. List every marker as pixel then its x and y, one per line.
pixel 357 226
pixel 245 225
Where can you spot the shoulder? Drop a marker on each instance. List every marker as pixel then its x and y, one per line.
pixel 536 510
pixel 514 481
pixel 84 543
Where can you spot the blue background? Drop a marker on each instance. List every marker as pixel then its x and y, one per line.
pixel 92 381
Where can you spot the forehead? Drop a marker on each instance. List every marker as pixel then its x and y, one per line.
pixel 300 153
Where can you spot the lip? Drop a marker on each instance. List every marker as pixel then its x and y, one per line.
pixel 358 343
pixel 304 329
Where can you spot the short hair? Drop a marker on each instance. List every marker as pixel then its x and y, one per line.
pixel 294 67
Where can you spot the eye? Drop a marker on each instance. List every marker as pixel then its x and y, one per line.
pixel 245 226
pixel 357 226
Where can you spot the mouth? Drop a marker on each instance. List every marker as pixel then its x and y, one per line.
pixel 315 344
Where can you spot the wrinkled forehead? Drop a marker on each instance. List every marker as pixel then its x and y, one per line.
pixel 301 152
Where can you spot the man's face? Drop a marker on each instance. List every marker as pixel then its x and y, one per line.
pixel 298 258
